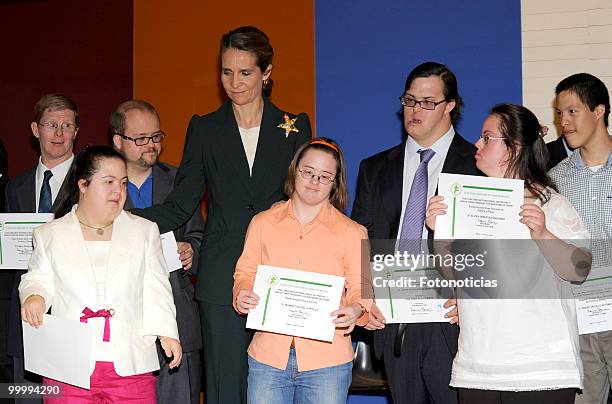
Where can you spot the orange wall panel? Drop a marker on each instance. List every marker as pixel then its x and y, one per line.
pixel 176 62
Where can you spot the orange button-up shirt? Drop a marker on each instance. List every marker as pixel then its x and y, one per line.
pixel 330 244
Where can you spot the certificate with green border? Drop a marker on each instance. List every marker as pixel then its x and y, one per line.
pixel 480 208
pixel 16 237
pixel 295 302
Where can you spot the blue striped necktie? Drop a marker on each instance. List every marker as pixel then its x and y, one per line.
pixel 414 215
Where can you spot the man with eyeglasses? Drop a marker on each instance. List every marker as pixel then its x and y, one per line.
pixel 55 125
pixel 392 193
pixel 135 127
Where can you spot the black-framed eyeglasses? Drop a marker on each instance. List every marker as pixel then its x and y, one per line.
pixel 408 101
pixel 485 138
pixel 52 126
pixel 144 140
pixel 309 174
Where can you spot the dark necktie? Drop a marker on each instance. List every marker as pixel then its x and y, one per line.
pixel 44 203
pixel 414 215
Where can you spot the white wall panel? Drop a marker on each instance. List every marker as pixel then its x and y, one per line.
pixel 560 38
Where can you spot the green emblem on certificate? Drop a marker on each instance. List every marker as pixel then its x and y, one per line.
pixel 456 189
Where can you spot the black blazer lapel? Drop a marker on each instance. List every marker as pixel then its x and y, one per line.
pixel 272 142
pixel 460 157
pixel 162 183
pixel 26 192
pixel 231 143
pixel 391 186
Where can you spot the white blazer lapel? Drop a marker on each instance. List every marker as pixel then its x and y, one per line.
pixel 121 245
pixel 72 239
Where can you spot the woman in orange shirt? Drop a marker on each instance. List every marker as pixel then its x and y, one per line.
pixel 308 232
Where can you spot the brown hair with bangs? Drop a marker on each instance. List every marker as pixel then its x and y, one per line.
pixel 338 196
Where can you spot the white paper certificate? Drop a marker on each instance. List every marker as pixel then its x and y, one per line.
pixel 402 299
pixel 16 237
pixel 60 350
pixel 594 301
pixel 480 208
pixel 169 248
pixel 296 303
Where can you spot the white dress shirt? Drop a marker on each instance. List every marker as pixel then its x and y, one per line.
pixel 59 173
pixel 412 159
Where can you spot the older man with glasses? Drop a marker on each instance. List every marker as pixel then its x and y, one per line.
pixel 55 125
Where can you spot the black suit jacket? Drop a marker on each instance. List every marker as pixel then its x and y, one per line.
pixel 556 152
pixel 378 203
pixel 187 313
pixel 20 198
pixel 214 160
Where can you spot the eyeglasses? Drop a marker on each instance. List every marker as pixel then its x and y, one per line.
pixel 485 138
pixel 52 126
pixel 144 140
pixel 309 174
pixel 408 101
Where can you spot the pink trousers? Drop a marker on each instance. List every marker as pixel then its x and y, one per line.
pixel 106 386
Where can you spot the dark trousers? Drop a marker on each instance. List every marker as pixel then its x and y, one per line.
pixel 225 341
pixel 471 396
pixel 23 376
pixel 180 385
pixel 421 374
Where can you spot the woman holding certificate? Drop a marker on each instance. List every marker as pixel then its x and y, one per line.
pixel 523 350
pixel 308 233
pixel 100 265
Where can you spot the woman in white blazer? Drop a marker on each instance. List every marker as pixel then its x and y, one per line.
pixel 99 264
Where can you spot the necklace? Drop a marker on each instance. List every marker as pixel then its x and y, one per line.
pixel 99 230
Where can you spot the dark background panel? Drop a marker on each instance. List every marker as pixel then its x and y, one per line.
pixel 80 48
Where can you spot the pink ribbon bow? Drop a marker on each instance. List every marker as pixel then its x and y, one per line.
pixel 89 313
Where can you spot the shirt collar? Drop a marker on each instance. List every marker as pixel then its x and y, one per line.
pixel 59 171
pixel 579 163
pixel 324 215
pixel 440 146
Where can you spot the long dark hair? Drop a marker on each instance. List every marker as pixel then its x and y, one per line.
pixel 528 153
pixel 84 166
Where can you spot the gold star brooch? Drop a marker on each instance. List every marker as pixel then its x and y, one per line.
pixel 288 125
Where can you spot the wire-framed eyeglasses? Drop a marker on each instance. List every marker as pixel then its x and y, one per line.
pixel 430 105
pixel 309 174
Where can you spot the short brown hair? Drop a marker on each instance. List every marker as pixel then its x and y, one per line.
pixel 117 118
pixel 55 102
pixel 339 193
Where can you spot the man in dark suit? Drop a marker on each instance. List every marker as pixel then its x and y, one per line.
pixel 135 127
pixel 55 125
pixel 417 357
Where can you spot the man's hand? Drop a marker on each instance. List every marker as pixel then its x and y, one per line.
pixel 377 320
pixel 185 254
pixel 172 349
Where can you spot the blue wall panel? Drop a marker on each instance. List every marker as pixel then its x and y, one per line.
pixel 365 49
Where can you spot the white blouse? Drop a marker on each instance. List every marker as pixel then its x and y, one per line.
pixel 98 254
pixel 525 344
pixel 250 137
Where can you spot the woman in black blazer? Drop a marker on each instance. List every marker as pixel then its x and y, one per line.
pixel 239 154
